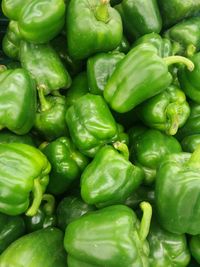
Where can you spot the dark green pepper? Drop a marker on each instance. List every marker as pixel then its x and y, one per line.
pixel 11 228
pixel 195 247
pixel 112 236
pixel 190 143
pixel 98 25
pixel 9 137
pixel 45 66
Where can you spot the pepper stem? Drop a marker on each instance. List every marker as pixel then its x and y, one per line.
pixel 172 119
pixel 191 49
pixel 122 148
pixel 179 59
pixel 101 12
pixel 37 198
pixel 49 206
pixel 146 220
pixel 44 104
pixel 194 160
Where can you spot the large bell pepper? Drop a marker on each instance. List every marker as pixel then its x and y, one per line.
pixel 178 193
pixel 17 101
pixel 128 86
pixel 195 247
pixel 24 178
pixel 9 137
pixel 98 25
pixel 41 248
pixel 112 236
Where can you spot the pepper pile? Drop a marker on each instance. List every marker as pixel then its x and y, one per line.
pixel 100 134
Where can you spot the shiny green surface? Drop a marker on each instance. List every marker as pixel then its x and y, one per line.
pixel 190 143
pixel 195 247
pixel 9 137
pixel 12 9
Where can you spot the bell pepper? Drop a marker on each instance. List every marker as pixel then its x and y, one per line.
pixel 91 124
pixel 41 20
pixel 41 248
pixel 110 178
pixel 167 249
pixel 23 179
pixel 11 40
pixel 166 111
pixel 71 208
pixel 195 247
pixel 50 117
pixel 124 46
pixel 45 66
pixel 98 25
pixel 67 164
pixel 11 228
pixel 99 69
pixel 140 18
pixel 190 143
pixel 112 236
pixel 12 9
pixel 9 137
pixel 123 137
pixel 177 193
pixel 18 101
pixel 148 150
pixel 142 66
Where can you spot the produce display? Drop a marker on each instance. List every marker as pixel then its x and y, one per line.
pixel 100 133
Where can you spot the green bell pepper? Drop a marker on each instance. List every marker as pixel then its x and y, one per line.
pixel 18 101
pixel 24 178
pixel 67 164
pixel 124 91
pixel 9 137
pixel 167 249
pixel 98 25
pixel 110 178
pixel 123 137
pixel 91 124
pixel 190 143
pixel 99 69
pixel 124 46
pixel 50 118
pixel 148 150
pixel 71 208
pixel 41 20
pixel 195 247
pixel 45 66
pixel 177 193
pixel 41 248
pixel 112 236
pixel 139 17
pixel 12 9
pixel 167 111
pixel 11 228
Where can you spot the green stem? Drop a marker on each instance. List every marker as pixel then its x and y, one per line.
pixel 179 59
pixel 172 119
pixel 194 160
pixel 191 49
pixel 44 104
pixel 37 198
pixel 146 220
pixel 102 11
pixel 122 148
pixel 43 145
pixel 49 206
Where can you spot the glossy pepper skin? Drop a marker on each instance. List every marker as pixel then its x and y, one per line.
pixel 50 117
pixel 123 91
pixel 167 249
pixel 114 232
pixel 9 137
pixel 11 228
pixel 148 150
pixel 41 20
pixel 124 46
pixel 71 208
pixel 110 178
pixel 194 247
pixel 140 17
pixel 26 251
pixel 190 143
pixel 100 20
pixel 18 101
pixel 24 173
pixel 99 69
pixel 167 111
pixel 91 124
pixel 45 66
pixel 12 9
pixel 67 164
pixel 177 193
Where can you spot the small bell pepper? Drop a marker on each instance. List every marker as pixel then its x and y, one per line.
pixel 112 236
pixel 110 178
pixel 71 208
pixel 142 66
pixel 9 137
pixel 140 18
pixel 11 228
pixel 98 25
pixel 167 111
pixel 41 248
pixel 195 247
pixel 17 100
pixel 91 124
pixel 23 178
pixel 67 164
pixel 177 193
pixel 45 66
pixel 99 69
pixel 12 9
pixel 50 118
pixel 190 143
